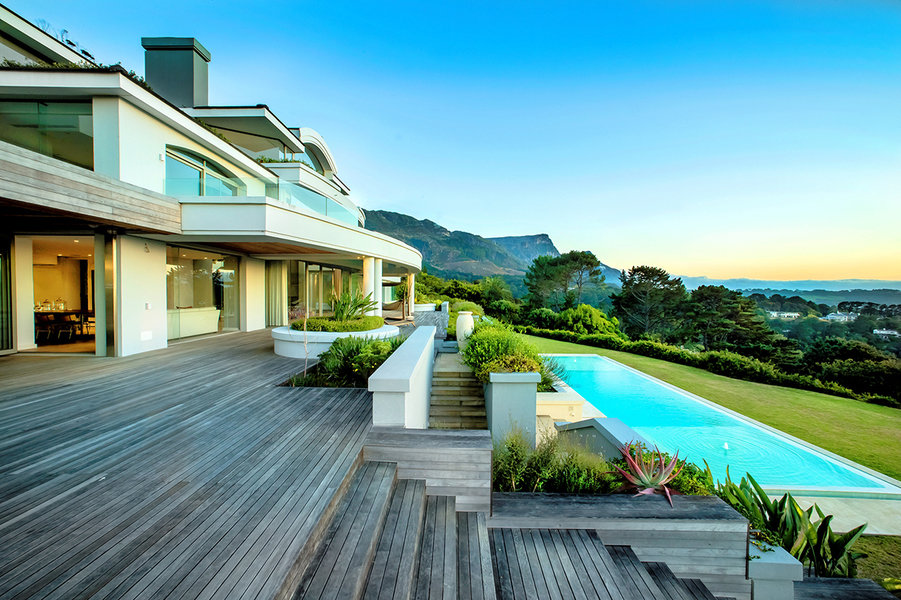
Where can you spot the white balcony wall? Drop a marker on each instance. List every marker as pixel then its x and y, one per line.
pixel 130 145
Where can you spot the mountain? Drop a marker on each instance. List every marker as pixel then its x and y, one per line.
pixel 455 253
pixel 528 247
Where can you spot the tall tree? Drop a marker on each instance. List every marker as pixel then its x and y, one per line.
pixel 650 303
pixel 578 269
pixel 543 280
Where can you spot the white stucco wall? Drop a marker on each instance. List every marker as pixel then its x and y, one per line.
pixel 141 292
pixel 130 145
pixel 253 298
pixel 23 293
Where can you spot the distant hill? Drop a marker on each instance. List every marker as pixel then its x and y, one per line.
pixel 528 247
pixel 457 253
pixel 833 297
pixel 835 285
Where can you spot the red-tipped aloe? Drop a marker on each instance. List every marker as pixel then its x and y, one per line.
pixel 649 473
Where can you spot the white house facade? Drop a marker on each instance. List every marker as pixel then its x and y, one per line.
pixel 133 214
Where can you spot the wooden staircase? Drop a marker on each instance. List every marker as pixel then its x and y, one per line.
pixel 457 400
pixel 389 539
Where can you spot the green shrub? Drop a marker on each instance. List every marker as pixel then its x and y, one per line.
pixel 553 466
pixel 490 343
pixel 505 310
pixel 544 318
pixel 349 362
pixel 367 323
pixel 509 363
pixel 587 319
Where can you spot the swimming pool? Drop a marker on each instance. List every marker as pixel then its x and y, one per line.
pixel 676 420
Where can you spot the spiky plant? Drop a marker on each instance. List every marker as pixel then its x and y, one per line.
pixel 649 473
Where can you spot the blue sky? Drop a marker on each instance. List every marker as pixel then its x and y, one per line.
pixel 728 139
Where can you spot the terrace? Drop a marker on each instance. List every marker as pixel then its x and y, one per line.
pixel 189 473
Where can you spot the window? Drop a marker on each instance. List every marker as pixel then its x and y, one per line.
pixel 63 130
pixel 188 174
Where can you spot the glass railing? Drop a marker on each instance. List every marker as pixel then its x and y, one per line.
pixel 284 191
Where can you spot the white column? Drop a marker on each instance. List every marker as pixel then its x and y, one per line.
pixel 377 281
pixel 411 293
pixel 369 280
pixel 22 275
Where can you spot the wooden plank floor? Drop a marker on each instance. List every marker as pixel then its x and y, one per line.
pixel 180 473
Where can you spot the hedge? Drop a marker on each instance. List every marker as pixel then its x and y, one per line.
pixel 720 362
pixel 326 324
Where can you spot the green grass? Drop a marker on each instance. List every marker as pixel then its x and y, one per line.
pixel 883 562
pixel 865 433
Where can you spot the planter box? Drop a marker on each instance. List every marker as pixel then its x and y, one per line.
pixel 290 342
pixel 423 308
pixel 773 574
pixel 511 403
pixel 699 537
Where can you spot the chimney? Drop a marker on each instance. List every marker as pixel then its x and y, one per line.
pixel 177 69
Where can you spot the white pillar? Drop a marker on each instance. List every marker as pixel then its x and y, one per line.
pixel 369 280
pixel 411 293
pixel 22 275
pixel 377 277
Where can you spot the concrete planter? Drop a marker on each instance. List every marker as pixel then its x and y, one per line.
pixel 465 325
pixel 511 401
pixel 773 574
pixel 290 342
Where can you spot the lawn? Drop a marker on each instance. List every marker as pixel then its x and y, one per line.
pixel 865 433
pixel 883 562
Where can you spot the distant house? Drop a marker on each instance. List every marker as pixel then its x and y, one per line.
pixel 778 314
pixel 841 317
pixel 887 333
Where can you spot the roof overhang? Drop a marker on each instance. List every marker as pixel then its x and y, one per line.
pixel 37 41
pixel 253 120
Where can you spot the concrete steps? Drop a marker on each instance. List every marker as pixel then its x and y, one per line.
pixel 457 397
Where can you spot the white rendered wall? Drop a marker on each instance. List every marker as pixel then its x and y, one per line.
pixel 130 145
pixel 402 387
pixel 377 282
pixel 141 292
pixel 23 293
pixel 253 300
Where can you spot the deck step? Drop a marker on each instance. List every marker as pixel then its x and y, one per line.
pixel 448 390
pixel 457 381
pixel 475 575
pixel 817 588
pixel 343 558
pixel 555 563
pixel 671 586
pixel 697 587
pixel 394 565
pixel 457 411
pixel 635 574
pixel 436 577
pixel 462 424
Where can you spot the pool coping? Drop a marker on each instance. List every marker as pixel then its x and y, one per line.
pixel 800 490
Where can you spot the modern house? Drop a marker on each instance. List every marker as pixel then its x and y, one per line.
pixel 840 317
pixel 134 212
pixel 778 314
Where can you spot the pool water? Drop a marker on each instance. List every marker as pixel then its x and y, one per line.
pixel 674 420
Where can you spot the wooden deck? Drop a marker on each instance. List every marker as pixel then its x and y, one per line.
pixel 181 473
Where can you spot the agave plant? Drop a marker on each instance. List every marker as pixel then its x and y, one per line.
pixel 351 305
pixel 649 473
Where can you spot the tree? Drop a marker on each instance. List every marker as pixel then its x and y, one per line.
pixel 493 289
pixel 578 269
pixel 650 303
pixel 543 280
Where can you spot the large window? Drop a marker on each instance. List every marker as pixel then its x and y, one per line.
pixel 189 174
pixel 201 292
pixel 63 130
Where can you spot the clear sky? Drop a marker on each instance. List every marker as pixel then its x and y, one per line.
pixel 722 138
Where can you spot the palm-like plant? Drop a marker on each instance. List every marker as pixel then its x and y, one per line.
pixel 649 473
pixel 351 305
